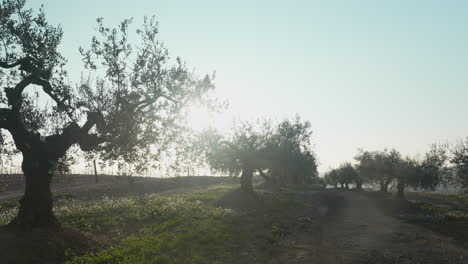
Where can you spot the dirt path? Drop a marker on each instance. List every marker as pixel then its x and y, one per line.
pixel 359 232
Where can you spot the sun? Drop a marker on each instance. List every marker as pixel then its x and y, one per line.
pixel 199 117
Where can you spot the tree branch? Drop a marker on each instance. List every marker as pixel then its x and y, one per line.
pixel 15 95
pixel 4 112
pixel 264 175
pixel 49 90
pixel 93 118
pixel 89 142
pixel 169 98
pixel 5 65
pixel 25 64
pixel 74 134
pixel 229 144
pixel 148 101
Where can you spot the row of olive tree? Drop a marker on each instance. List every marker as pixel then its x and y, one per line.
pixel 126 107
pixel 383 168
pixel 280 153
pixel 344 175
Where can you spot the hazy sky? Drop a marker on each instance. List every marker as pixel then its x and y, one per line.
pixel 367 74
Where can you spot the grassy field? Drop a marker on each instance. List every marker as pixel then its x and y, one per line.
pixel 444 214
pixel 205 220
pixel 203 224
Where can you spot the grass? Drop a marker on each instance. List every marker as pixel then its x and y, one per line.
pixel 445 214
pixel 190 229
pixel 442 207
pixel 195 225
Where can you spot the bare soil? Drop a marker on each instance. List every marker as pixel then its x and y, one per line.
pixel 359 232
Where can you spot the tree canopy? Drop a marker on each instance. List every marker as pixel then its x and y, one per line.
pixel 460 162
pixel 126 104
pixel 288 154
pixel 384 167
pixel 378 167
pixel 280 152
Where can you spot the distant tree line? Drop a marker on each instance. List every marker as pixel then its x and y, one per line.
pixel 440 164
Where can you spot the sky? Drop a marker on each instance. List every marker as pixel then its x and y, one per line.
pixel 368 74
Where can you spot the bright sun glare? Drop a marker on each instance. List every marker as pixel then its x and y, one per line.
pixel 200 117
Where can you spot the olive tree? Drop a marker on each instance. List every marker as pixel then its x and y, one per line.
pixel 378 167
pixel 406 171
pixel 129 99
pixel 288 156
pixel 348 174
pixel 431 168
pixel 383 167
pixel 239 152
pixel 425 173
pixel 460 162
pixel 280 152
pixel 331 178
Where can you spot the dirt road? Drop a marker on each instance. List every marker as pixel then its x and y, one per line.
pixel 358 232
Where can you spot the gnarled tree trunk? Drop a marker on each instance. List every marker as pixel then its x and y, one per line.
pixel 40 156
pixel 384 188
pixel 401 189
pixel 36 204
pixel 384 185
pixel 359 185
pixel 96 179
pixel 246 180
pixel 267 178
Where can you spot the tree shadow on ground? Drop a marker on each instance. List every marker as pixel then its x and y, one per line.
pixel 44 245
pixel 240 200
